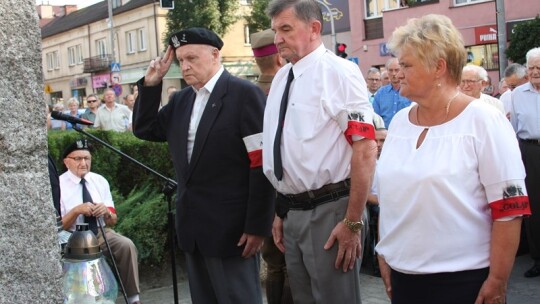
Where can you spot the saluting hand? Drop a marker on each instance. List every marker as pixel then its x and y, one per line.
pixel 158 68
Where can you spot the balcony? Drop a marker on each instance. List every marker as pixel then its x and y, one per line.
pixel 97 63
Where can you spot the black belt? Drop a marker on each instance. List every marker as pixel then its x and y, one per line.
pixel 313 198
pixel 530 141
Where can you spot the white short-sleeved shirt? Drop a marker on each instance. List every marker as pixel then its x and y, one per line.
pixel 116 119
pixel 435 201
pixel 328 94
pixel 71 192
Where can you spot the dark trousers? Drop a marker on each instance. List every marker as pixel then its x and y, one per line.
pixel 442 288
pixel 228 280
pixel 278 290
pixel 530 154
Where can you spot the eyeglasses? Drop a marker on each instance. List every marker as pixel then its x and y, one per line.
pixel 94 100
pixel 469 81
pixel 81 158
pixel 374 79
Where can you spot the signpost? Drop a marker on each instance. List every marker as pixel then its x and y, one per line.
pixel 115 67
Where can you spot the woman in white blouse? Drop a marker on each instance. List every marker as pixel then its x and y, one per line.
pixel 450 180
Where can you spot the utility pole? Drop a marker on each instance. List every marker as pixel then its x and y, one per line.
pixel 111 28
pixel 332 29
pixel 501 36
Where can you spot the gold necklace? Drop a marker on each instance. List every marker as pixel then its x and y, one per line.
pixel 447 110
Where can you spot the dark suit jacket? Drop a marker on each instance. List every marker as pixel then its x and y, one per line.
pixel 222 191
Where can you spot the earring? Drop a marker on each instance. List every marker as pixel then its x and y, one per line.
pixel 438 85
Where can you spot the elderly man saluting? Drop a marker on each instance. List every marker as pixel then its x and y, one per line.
pixel 224 205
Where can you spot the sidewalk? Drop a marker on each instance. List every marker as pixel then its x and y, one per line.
pixel 520 289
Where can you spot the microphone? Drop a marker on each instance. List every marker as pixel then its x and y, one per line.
pixel 72 119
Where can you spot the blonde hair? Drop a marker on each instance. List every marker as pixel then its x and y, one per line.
pixel 432 37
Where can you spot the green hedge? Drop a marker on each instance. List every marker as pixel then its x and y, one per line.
pixel 141 207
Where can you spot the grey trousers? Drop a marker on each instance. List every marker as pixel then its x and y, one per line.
pixel 312 275
pixel 125 256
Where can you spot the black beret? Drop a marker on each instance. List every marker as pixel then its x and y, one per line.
pixel 81 144
pixel 195 35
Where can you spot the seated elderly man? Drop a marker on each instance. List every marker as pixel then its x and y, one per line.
pixel 86 197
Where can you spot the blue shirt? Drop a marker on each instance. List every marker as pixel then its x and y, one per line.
pixel 388 102
pixel 525 111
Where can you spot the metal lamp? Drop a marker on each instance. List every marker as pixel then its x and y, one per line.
pixel 88 278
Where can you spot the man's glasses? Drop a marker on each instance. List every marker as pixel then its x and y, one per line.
pixel 374 79
pixel 93 100
pixel 81 158
pixel 469 81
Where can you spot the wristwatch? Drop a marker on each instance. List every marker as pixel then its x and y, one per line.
pixel 354 226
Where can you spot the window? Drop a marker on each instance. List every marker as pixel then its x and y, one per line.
pixel 79 54
pixel 116 3
pixel 130 42
pixel 142 40
pixel 375 8
pixel 246 34
pixel 465 2
pixel 75 55
pixel 101 47
pixel 53 61
pixel 71 56
pixel 486 56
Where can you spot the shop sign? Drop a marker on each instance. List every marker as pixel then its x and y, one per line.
pixel 78 82
pixel 101 80
pixel 485 34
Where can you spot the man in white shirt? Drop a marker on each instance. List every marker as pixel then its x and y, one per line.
pixel 515 75
pixel 74 210
pixel 319 153
pixel 111 115
pixel 473 80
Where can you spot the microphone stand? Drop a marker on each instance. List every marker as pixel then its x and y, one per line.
pixel 101 225
pixel 168 189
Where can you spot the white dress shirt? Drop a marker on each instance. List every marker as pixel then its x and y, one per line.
pixel 71 192
pixel 203 94
pixel 328 93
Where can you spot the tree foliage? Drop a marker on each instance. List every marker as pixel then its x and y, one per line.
pixel 216 15
pixel 524 38
pixel 258 20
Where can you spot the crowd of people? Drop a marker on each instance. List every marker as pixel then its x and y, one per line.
pixel 106 113
pixel 293 166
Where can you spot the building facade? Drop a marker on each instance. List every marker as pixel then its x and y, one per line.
pixel 80 58
pixel 476 20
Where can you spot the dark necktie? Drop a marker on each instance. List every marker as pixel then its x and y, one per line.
pixel 91 220
pixel 278 165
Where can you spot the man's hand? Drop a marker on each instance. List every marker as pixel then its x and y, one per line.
pixel 85 209
pixel 99 209
pixel 253 244
pixel 277 233
pixel 158 68
pixel 349 248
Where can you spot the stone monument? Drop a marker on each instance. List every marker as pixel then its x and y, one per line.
pixel 30 268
